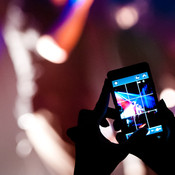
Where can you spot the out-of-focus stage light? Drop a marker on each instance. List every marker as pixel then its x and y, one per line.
pixel 50 146
pixel 23 148
pixel 168 95
pixel 126 17
pixel 50 50
pixel 26 121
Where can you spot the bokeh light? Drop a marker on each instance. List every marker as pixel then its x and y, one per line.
pixel 50 50
pixel 168 94
pixel 126 17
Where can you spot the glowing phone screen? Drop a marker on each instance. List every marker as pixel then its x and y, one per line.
pixel 134 94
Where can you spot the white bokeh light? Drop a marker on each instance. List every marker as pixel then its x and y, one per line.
pixel 168 95
pixel 50 50
pixel 126 17
pixel 23 148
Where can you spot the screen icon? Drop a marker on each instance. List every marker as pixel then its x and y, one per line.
pixel 144 76
pixel 137 77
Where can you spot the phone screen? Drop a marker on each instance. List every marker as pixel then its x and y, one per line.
pixel 135 96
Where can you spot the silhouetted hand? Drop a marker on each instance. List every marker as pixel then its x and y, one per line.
pixel 158 154
pixel 94 153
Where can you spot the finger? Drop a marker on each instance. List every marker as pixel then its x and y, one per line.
pixel 102 104
pixel 104 123
pixel 117 124
pixel 85 118
pixel 121 138
pixel 112 114
pixel 73 133
pixel 138 135
pixel 137 141
pixel 115 114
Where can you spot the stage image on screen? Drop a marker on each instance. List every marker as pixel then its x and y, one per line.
pixel 134 95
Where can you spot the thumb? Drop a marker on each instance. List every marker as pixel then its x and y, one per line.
pixel 137 139
pixel 138 135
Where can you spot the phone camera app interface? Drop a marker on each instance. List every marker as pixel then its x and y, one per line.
pixel 134 94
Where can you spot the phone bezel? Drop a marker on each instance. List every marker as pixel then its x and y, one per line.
pixel 130 71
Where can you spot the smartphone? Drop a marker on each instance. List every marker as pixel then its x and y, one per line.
pixel 134 93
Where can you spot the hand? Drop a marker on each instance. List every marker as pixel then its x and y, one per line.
pixel 158 154
pixel 94 153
